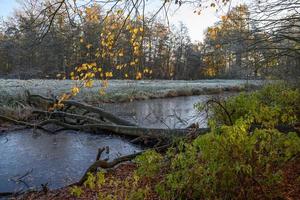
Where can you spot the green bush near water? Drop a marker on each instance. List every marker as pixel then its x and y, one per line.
pixel 273 105
pixel 233 161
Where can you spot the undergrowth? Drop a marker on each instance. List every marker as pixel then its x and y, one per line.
pixel 240 158
pixel 237 161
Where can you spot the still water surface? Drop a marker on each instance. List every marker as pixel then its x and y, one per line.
pixel 61 159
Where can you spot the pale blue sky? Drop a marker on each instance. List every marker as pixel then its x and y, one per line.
pixel 7 7
pixel 196 24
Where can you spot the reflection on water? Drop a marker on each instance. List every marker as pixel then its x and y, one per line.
pixel 58 159
pixel 175 112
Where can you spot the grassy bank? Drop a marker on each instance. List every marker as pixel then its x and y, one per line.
pixel 12 90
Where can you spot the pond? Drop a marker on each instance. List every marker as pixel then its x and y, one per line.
pixel 62 158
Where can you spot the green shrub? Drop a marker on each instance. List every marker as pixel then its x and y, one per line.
pixel 76 191
pixel 139 194
pixel 273 105
pixel 233 161
pixel 90 182
pixel 230 165
pixel 148 163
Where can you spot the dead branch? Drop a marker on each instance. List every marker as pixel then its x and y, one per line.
pixel 100 151
pixel 110 117
pixel 26 124
pixel 108 165
pixel 105 165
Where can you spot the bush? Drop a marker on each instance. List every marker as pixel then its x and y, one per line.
pixel 273 105
pixel 233 161
pixel 76 191
pixel 148 163
pixel 230 165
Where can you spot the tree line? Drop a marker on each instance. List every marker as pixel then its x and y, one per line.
pixel 246 42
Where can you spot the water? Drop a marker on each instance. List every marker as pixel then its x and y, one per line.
pixel 58 160
pixel 61 159
pixel 177 112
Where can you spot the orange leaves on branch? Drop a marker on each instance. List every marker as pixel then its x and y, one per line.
pixel 210 71
pixel 138 76
pixel 218 46
pixel 224 17
pixel 60 101
pixel 104 85
pixel 121 54
pixel 75 90
pixel 92 14
pixel 212 32
pixel 89 83
pixel 135 31
pixel 107 52
pixel 108 74
pixel 88 46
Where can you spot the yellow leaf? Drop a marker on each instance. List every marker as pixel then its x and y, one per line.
pixel 75 91
pixel 218 46
pixel 224 17
pixel 101 91
pixel 138 76
pixel 136 30
pixel 89 46
pixel 89 83
pixel 119 11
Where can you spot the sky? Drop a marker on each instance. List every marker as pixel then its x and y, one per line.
pixel 7 7
pixel 196 24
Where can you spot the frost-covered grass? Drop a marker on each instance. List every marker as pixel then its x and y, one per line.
pixel 12 90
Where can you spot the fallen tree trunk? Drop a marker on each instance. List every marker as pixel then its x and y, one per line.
pixel 110 117
pixel 128 130
pixel 68 115
pixel 131 131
